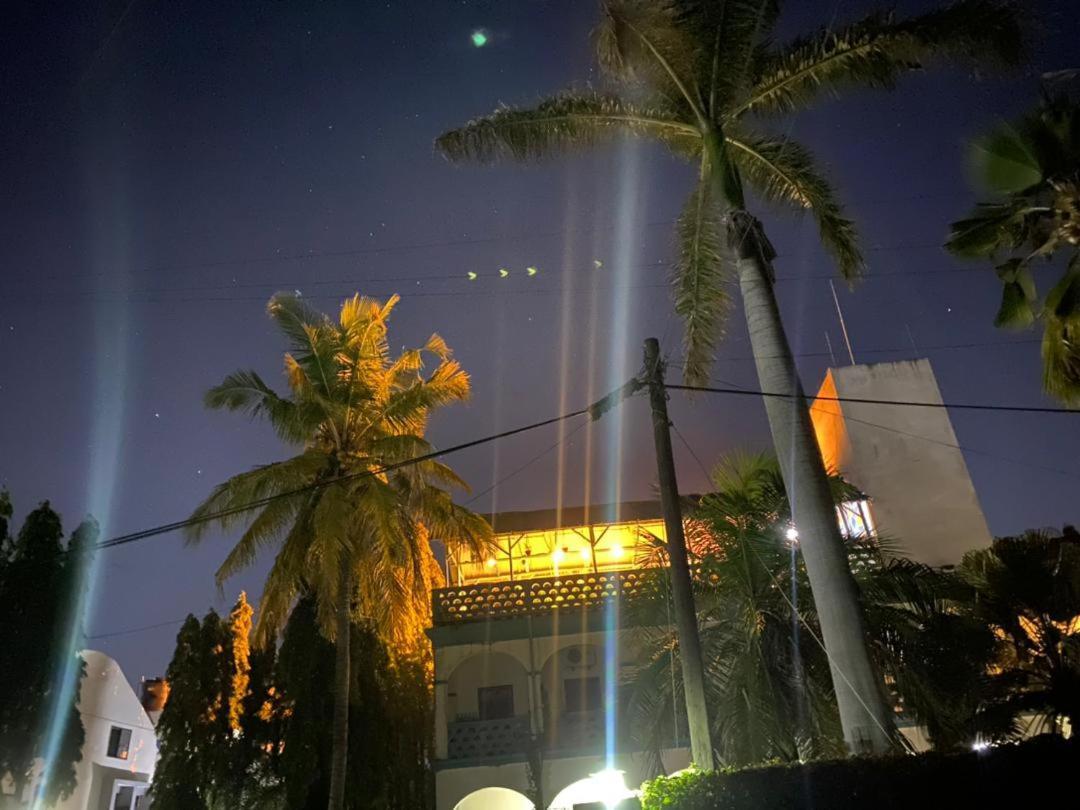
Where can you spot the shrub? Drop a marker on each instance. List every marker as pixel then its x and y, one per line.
pixel 1009 776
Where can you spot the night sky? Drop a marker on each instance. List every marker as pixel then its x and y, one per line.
pixel 165 167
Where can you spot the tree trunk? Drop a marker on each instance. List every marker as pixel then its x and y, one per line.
pixel 864 713
pixel 686 626
pixel 342 680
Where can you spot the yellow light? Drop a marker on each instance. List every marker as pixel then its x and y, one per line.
pixel 558 555
pixel 503 272
pixel 491 563
pixel 616 552
pixel 585 555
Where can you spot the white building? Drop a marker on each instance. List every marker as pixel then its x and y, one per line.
pixel 905 458
pixel 120 747
pixel 529 644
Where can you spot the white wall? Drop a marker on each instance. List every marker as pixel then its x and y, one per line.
pixel 904 458
pixel 106 699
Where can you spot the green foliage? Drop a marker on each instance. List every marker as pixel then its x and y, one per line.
pixel 1033 168
pixel 767 678
pixel 693 75
pixel 215 741
pixel 1027 589
pixel 40 583
pixel 1004 778
pixel 389 720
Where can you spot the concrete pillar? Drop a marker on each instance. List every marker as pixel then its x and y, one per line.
pixel 441 721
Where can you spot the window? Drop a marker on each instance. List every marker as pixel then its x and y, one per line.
pixel 856 522
pixel 495 702
pixel 129 796
pixel 583 694
pixel 119 742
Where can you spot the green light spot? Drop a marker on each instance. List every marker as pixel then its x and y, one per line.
pixel 479 39
pixel 531 271
pixel 471 275
pixel 503 272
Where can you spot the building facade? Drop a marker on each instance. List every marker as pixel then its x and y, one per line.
pixel 905 458
pixel 530 643
pixel 119 749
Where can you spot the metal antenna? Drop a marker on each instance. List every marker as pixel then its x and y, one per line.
pixel 843 326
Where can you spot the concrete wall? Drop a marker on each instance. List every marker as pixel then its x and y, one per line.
pixel 904 458
pixel 106 699
pixel 493 669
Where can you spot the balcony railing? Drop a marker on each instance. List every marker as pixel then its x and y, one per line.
pixel 483 739
pixel 491 600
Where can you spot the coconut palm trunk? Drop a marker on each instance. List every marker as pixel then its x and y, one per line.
pixel 340 734
pixel 864 714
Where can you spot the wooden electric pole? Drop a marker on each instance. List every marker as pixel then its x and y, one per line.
pixel 693 670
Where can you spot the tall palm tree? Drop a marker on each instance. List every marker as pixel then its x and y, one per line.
pixel 1033 169
pixel 768 683
pixel 692 74
pixel 346 528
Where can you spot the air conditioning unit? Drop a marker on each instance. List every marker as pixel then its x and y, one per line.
pixel 581 657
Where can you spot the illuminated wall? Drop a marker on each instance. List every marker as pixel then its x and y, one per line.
pixel 904 458
pixel 554 552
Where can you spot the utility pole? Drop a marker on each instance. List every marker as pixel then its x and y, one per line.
pixel 693 670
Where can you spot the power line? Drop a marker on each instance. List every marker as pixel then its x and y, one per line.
pixel 131 630
pixel 166 528
pixel 967 406
pixel 954 446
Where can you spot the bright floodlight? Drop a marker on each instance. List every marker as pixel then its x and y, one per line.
pixel 610 787
pixel 792 534
pixel 479 38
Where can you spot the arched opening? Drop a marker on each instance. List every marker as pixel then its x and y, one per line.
pixel 487 707
pixel 494 798
pixel 603 789
pixel 573 686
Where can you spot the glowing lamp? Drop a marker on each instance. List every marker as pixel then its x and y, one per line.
pixel 491 563
pixel 585 554
pixel 479 39
pixel 792 534
pixel 616 552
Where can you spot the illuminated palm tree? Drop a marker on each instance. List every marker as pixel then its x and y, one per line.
pixel 346 528
pixel 1033 167
pixel 691 75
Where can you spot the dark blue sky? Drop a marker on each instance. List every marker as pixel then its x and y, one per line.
pixel 165 167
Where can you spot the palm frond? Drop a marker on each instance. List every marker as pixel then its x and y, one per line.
pixel 731 33
pixel 563 123
pixel 783 171
pixel 246 392
pixel 252 486
pixel 649 43
pixel 272 521
pixel 312 336
pixel 1061 338
pixel 876 51
pixel 699 281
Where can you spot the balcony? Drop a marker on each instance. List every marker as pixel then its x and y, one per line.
pixel 506 599
pixel 486 739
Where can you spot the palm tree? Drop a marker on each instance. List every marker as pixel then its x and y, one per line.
pixel 690 74
pixel 768 682
pixel 1027 589
pixel 349 526
pixel 1033 169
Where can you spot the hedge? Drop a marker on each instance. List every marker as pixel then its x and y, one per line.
pixel 1011 776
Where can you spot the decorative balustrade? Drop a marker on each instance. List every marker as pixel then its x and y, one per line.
pixel 490 600
pixel 481 739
